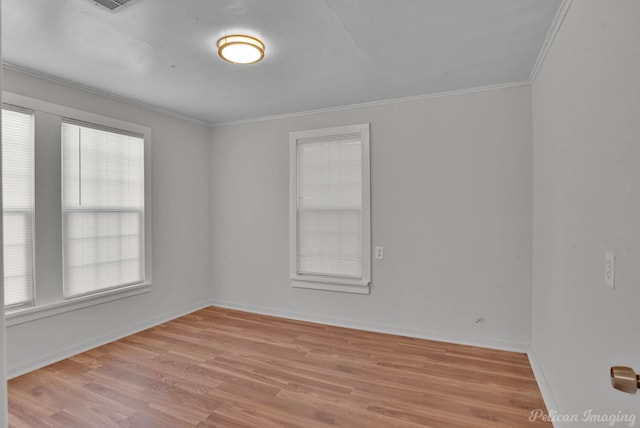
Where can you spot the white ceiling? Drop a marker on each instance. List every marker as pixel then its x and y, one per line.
pixel 319 54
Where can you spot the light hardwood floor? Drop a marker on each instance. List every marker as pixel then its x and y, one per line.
pixel 222 368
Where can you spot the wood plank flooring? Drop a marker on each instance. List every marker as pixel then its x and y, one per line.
pixel 222 368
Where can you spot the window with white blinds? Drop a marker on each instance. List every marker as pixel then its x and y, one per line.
pixel 103 208
pixel 330 241
pixel 17 200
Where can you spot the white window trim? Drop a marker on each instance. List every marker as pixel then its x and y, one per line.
pixel 24 314
pixel 326 282
pixel 54 301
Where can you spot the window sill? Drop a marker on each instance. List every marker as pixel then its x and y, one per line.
pixel 23 315
pixel 331 284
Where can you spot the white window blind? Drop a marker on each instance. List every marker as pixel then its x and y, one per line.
pixel 17 199
pixel 103 208
pixel 330 203
pixel 330 207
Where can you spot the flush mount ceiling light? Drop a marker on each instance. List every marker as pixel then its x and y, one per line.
pixel 240 49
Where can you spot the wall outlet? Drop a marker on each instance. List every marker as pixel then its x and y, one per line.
pixel 379 253
pixel 610 269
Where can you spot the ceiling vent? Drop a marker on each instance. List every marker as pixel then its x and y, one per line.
pixel 111 4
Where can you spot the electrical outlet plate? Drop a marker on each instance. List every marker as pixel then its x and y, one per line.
pixel 609 269
pixel 379 253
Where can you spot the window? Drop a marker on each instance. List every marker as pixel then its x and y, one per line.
pixel 330 244
pixel 103 208
pixel 76 196
pixel 17 199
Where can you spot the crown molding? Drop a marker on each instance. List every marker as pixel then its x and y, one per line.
pixel 374 103
pixel 95 91
pixel 551 36
pixel 548 42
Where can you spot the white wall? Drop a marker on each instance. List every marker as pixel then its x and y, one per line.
pixel 180 230
pixel 451 204
pixel 586 127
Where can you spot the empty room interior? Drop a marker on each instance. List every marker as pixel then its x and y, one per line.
pixel 305 213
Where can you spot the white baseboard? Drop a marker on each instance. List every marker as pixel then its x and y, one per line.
pixel 53 357
pixel 56 356
pixel 376 327
pixel 549 400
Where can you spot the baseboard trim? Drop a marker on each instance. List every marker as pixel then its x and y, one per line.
pixel 374 327
pixel 547 395
pixel 54 357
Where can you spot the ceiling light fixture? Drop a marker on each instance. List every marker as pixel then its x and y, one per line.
pixel 240 49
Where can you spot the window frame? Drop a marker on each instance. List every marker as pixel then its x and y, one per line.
pixel 48 290
pixel 331 282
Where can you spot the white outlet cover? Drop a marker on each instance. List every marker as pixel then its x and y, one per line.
pixel 379 253
pixel 609 269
